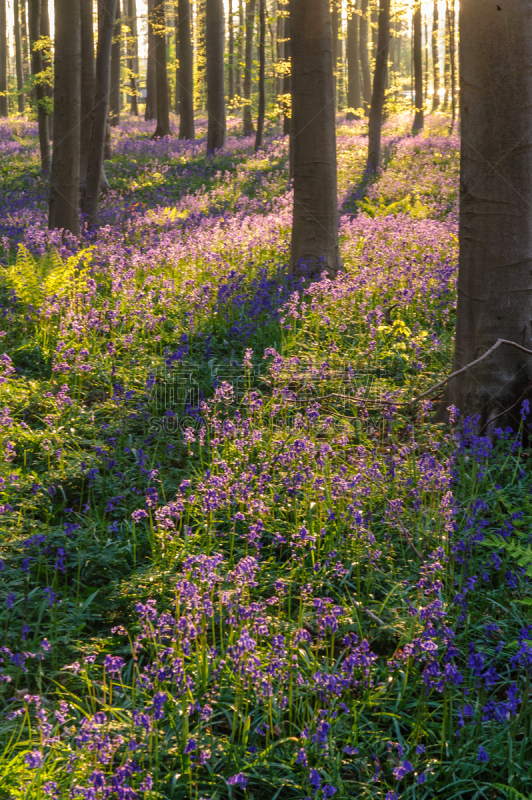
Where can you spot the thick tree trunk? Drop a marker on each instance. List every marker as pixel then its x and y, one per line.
pixel 231 67
pixel 315 216
pixel 418 70
pixel 21 98
pixel 186 72
pixel 494 284
pixel 64 183
pixel 435 57
pixel 91 194
pixel 364 55
pixel 161 73
pixel 34 9
pixel 87 84
pixel 115 94
pixel 335 27
pixel 132 57
pixel 151 84
pixel 354 99
pixel 248 70
pixel 3 60
pixel 215 75
pixel 379 82
pixel 262 75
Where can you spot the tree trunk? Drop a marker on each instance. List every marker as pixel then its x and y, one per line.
pixel 248 70
pixel 24 38
pixel 435 57
pixel 87 84
pixel 262 75
pixel 364 55
pixel 315 216
pixel 34 9
pixel 47 61
pixel 115 98
pixel 418 69
pixel 231 69
pixel 161 73
pixel 132 57
pixel 446 60
pixel 354 100
pixel 287 77
pixel 21 98
pixel 494 286
pixel 186 72
pixel 201 54
pixel 3 60
pixel 151 85
pixel 452 57
pixel 216 128
pixel 335 27
pixel 91 194
pixel 64 183
pixel 240 51
pixel 379 82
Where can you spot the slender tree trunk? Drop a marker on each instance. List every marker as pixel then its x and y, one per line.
pixel 287 76
pixel 335 26
pixel 435 57
pixel 446 60
pixel 315 217
pixel 231 69
pixel 87 84
pixel 452 57
pixel 3 60
pixel 186 72
pixel 379 81
pixel 201 53
pixel 24 37
pixel 262 75
pixel 151 84
pixel 248 71
pixel 240 51
pixel 494 286
pixel 47 60
pixel 115 96
pixel 418 69
pixel 64 183
pixel 132 57
pixel 177 107
pixel 354 99
pixel 364 55
pixel 91 194
pixel 161 73
pixel 215 75
pixel 21 98
pixel 34 9
pixel 279 37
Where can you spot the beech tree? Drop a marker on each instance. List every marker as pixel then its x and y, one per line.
pixel 150 111
pixel 262 74
pixel 161 72
pixel 354 99
pixel 216 128
pixel 114 97
pixel 64 182
pixel 34 9
pixel 495 265
pixel 435 57
pixel 418 69
pixel 248 68
pixel 87 84
pixel 186 72
pixel 132 56
pixel 379 85
pixel 3 60
pixel 364 55
pixel 21 98
pixel 315 214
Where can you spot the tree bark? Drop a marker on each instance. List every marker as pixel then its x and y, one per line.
pixel 354 100
pixel 315 216
pixel 47 60
pixel 494 283
pixel 418 69
pixel 132 57
pixel 34 9
pixel 91 194
pixel 161 73
pixel 186 72
pixel 151 84
pixel 452 58
pixel 379 83
pixel 335 26
pixel 115 94
pixel 216 127
pixel 287 77
pixel 364 55
pixel 24 39
pixel 3 60
pixel 262 75
pixel 231 67
pixel 435 57
pixel 21 97
pixel 87 84
pixel 248 69
pixel 64 183
pixel 240 51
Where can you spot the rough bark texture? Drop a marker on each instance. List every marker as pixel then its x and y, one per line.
pixel 151 101
pixel 91 194
pixel 64 182
pixel 364 55
pixel 418 69
pixel 132 57
pixel 379 83
pixel 115 94
pixel 21 98
pixel 87 84
pixel 161 73
pixel 435 57
pixel 34 9
pixel 186 72
pixel 216 126
pixel 3 60
pixel 315 216
pixel 248 69
pixel 354 99
pixel 495 268
pixel 262 74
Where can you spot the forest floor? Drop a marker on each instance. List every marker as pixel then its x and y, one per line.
pixel 234 561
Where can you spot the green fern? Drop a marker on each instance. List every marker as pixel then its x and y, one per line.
pixel 512 794
pixel 34 279
pixel 518 552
